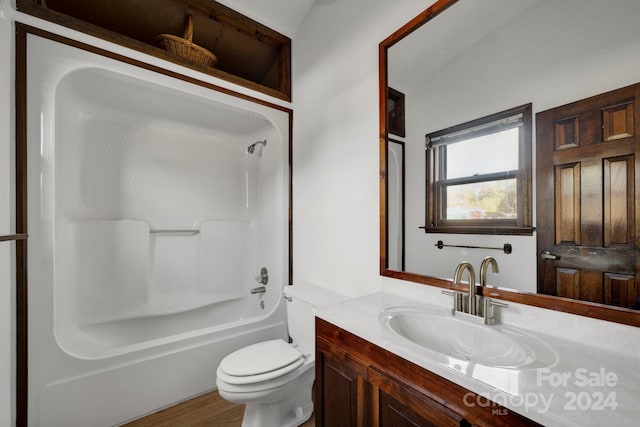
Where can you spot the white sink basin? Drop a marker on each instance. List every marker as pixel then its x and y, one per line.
pixel 496 346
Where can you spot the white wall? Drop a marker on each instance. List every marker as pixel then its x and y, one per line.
pixel 7 226
pixel 335 153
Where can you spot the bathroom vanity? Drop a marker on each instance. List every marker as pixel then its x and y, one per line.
pixel 360 384
pixel 385 359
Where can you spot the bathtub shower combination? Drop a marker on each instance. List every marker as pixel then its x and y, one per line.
pixel 153 204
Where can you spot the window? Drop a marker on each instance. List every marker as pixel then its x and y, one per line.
pixel 479 175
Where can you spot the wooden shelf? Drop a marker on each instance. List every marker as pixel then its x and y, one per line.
pixel 249 53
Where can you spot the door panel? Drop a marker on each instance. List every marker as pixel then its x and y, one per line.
pixel 587 193
pixel 619 201
pixel 568 204
pixel 619 289
pixel 568 282
pixel 398 405
pixel 340 389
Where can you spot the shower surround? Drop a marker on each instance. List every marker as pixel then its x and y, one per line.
pixel 148 220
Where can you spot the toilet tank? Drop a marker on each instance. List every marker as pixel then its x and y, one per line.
pixel 301 301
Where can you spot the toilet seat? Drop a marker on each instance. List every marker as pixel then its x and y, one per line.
pixel 260 362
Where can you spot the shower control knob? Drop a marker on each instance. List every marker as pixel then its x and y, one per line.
pixel 263 277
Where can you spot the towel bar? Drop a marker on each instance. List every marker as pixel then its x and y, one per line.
pixel 506 248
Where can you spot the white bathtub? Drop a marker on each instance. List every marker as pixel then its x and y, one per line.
pixel 148 221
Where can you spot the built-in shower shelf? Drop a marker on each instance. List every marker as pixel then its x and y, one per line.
pixel 168 305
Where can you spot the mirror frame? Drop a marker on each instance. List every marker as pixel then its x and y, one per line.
pixel 567 305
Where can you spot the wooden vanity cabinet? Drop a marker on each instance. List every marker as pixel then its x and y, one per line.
pixel 360 384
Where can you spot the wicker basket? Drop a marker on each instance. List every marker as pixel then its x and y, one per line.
pixel 184 47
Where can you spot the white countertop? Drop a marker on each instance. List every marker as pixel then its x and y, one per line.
pixel 588 386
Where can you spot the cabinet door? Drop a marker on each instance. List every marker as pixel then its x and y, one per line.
pixel 341 390
pixel 395 404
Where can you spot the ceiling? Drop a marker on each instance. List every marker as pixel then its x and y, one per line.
pixel 284 16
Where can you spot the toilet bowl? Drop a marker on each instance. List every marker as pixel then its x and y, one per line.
pixel 278 396
pixel 274 378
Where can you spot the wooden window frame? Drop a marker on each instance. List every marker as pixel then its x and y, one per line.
pixel 436 183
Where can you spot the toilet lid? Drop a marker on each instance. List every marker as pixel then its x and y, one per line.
pixel 260 358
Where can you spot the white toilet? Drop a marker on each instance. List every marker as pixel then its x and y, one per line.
pixel 275 378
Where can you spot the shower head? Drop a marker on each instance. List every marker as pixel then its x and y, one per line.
pixel 252 147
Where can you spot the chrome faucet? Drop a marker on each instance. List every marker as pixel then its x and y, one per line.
pixel 473 308
pixel 484 266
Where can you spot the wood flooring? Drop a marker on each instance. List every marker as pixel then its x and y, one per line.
pixel 208 410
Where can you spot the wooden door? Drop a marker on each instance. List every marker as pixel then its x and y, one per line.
pixel 395 404
pixel 587 198
pixel 340 389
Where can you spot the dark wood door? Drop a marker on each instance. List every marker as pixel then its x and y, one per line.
pixel 397 405
pixel 341 389
pixel 587 198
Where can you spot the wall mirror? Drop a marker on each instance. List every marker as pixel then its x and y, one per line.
pixel 461 60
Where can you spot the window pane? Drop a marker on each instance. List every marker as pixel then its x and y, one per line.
pixel 498 151
pixel 482 200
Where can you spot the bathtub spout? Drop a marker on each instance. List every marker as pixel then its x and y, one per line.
pixel 259 290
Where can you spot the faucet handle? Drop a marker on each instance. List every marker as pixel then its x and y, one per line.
pixel 263 277
pixel 489 312
pixel 457 299
pixel 497 303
